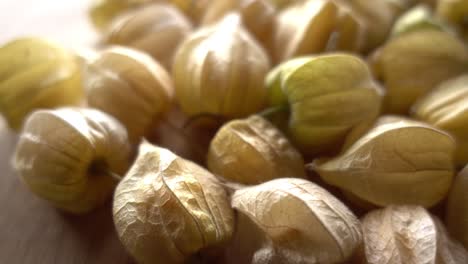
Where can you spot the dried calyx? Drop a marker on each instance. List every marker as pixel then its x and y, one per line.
pixel 446 107
pixel 292 221
pixel 410 66
pixel 68 157
pixel 167 209
pixel 398 161
pixel 252 151
pixel 418 18
pixel 130 86
pixel 35 74
pixel 217 66
pixel 314 26
pixel 457 208
pixel 327 97
pixel 454 12
pixel 157 29
pixel 256 15
pixel 408 235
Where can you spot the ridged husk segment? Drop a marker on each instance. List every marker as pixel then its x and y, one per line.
pixel 410 66
pixel 446 107
pixel 156 29
pixel 219 70
pixel 167 208
pixel 378 16
pixel 130 86
pixel 35 74
pixel 256 15
pixel 417 18
pixel 303 28
pixel 399 161
pixel 455 13
pixel 64 156
pixel 327 96
pixel 457 208
pixel 409 235
pixel 252 151
pixel 301 220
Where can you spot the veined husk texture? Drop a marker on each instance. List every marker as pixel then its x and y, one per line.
pixel 326 96
pixel 59 152
pixel 167 208
pixel 409 235
pixel 302 222
pixel 220 70
pixel 399 161
pixel 252 151
pixel 130 86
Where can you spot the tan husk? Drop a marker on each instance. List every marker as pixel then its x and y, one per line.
pixel 219 70
pixel 302 222
pixel 454 12
pixel 157 29
pixel 399 161
pixel 257 16
pixel 408 235
pixel 130 86
pixel 457 208
pixel 414 63
pixel 446 107
pixel 36 74
pixel 67 156
pixel 167 209
pixel 252 151
pixel 303 28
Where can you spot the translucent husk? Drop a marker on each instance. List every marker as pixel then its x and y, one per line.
pixel 327 97
pixel 167 209
pixel 409 235
pixel 317 228
pixel 130 86
pixel 218 65
pixel 399 161
pixel 252 151
pixel 36 74
pixel 67 157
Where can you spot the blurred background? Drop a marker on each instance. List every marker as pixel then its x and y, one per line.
pixel 62 21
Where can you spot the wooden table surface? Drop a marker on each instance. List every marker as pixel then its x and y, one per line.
pixel 32 232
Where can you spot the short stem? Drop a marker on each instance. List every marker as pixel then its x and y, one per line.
pixel 271 111
pixel 100 168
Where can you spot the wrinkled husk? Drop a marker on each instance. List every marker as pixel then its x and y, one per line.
pixel 398 161
pixel 66 157
pixel 252 151
pixel 166 209
pixel 301 223
pixel 130 86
